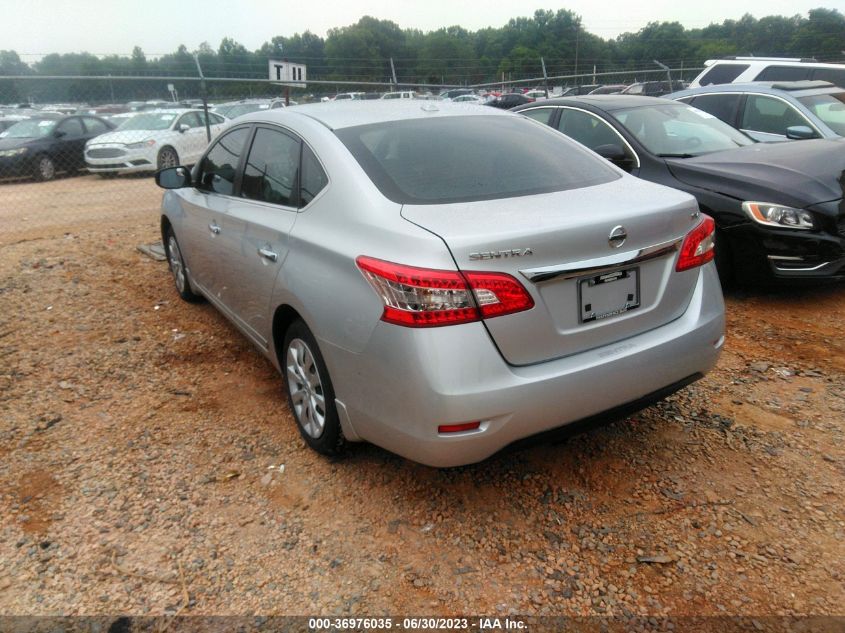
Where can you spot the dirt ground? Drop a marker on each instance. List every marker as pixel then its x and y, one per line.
pixel 149 464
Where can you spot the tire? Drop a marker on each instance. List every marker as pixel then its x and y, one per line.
pixel 44 169
pixel 310 391
pixel 167 157
pixel 176 263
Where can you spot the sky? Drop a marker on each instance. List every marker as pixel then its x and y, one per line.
pixel 37 27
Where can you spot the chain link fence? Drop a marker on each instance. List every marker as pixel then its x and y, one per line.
pixel 79 150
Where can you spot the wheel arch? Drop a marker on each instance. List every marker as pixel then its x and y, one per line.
pixel 283 316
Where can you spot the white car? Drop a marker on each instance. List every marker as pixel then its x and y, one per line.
pixel 348 95
pixel 537 95
pixel 733 70
pixel 152 140
pixel 401 94
pixel 468 99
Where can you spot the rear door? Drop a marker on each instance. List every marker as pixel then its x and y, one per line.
pixel 256 228
pixel 69 147
pixel 723 106
pixel 192 141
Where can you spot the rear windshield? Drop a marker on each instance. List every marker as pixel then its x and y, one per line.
pixel 467 158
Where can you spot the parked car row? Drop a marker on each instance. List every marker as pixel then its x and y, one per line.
pixel 43 145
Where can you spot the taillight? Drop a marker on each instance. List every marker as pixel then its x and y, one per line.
pixel 699 245
pixel 424 297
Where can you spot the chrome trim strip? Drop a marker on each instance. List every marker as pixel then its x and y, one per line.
pixel 784 258
pixel 601 264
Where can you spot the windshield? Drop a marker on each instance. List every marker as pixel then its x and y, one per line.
pixel 466 158
pixel 829 108
pixel 31 128
pixel 679 130
pixel 149 121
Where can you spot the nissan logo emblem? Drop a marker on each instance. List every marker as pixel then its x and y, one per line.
pixel 617 236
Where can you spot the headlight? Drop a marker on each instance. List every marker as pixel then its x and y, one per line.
pixel 14 152
pixel 141 144
pixel 778 215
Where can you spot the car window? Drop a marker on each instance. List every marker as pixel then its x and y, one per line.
pixel 314 179
pixel 450 159
pixel 830 108
pixel 721 106
pixel 587 129
pixel 784 73
pixel 218 168
pixel 71 127
pixel 272 167
pixel 836 76
pixel 543 115
pixel 191 119
pixel 95 126
pixel 722 74
pixel 768 115
pixel 213 119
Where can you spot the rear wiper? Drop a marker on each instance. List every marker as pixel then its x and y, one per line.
pixel 676 155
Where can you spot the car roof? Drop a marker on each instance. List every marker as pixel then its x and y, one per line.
pixel 338 115
pixel 608 102
pixel 794 88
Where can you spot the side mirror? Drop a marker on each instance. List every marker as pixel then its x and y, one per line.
pixel 612 152
pixel 184 127
pixel 59 134
pixel 800 132
pixel 173 178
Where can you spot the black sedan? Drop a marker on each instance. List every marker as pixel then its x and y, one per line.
pixel 509 100
pixel 779 207
pixel 43 145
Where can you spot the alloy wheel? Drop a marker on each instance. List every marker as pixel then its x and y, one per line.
pixel 306 388
pixel 176 267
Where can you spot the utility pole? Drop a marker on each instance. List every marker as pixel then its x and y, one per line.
pixel 393 72
pixel 668 74
pixel 577 33
pixel 545 77
pixel 204 91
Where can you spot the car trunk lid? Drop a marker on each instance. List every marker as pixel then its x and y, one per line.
pixel 587 292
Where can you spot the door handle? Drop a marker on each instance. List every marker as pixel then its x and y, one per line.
pixel 214 228
pixel 266 253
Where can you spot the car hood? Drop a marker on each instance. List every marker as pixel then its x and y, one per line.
pixel 12 143
pixel 797 173
pixel 130 136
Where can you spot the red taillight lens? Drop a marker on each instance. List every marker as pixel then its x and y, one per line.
pixel 699 245
pixel 498 293
pixel 458 428
pixel 424 297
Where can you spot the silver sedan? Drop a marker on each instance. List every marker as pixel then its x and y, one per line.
pixel 441 279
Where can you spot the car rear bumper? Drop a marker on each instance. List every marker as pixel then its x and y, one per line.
pixel 409 381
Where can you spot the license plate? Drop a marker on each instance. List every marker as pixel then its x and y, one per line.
pixel 609 294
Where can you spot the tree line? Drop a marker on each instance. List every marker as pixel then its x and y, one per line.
pixel 363 52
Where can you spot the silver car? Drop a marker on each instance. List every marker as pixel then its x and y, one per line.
pixel 441 279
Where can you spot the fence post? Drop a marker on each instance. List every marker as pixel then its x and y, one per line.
pixel 204 90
